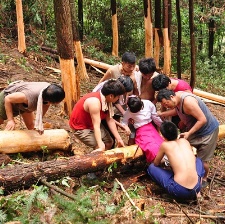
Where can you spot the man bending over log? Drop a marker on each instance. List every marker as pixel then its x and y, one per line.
pixel 90 110
pixel 26 97
pixel 183 180
pixel 199 126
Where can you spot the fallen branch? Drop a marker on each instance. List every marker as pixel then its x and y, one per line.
pixel 57 189
pixel 190 215
pixel 183 212
pixel 123 189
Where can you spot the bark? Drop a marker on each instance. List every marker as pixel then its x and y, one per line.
pixel 20 27
pixel 148 29
pixel 81 73
pixel 31 140
pixel 66 52
pixel 23 176
pixel 115 47
pixel 167 49
pixel 211 31
pixel 178 39
pixel 192 38
pixel 158 32
pixel 80 19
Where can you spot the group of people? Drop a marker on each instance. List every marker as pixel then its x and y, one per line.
pixel 126 96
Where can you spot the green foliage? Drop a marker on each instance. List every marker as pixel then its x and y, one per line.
pixel 210 73
pixel 111 167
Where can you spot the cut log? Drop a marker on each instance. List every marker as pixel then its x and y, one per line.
pixel 30 140
pixel 23 176
pixel 97 64
pixel 221 131
pixel 209 96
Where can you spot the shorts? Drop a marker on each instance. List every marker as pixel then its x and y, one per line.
pixel 205 145
pixel 2 106
pixel 88 138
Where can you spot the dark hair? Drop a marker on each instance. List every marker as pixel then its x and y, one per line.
pixel 164 94
pixel 53 93
pixel 161 81
pixel 135 104
pixel 113 86
pixel 169 130
pixel 129 57
pixel 127 82
pixel 147 65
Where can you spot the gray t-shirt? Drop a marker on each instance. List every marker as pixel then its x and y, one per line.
pixel 31 91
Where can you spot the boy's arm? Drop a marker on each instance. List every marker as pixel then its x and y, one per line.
pixel 93 106
pixel 112 126
pixel 192 108
pixel 106 76
pixel 124 127
pixel 167 113
pixel 159 156
pixel 120 108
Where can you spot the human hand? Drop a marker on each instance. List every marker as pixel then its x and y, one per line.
pixel 184 135
pixel 127 130
pixel 120 143
pixel 10 125
pixel 131 121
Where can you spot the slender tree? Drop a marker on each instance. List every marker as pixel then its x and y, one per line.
pixel 115 45
pixel 192 38
pixel 81 72
pixel 211 30
pixel 148 29
pixel 20 27
pixel 158 31
pixel 167 49
pixel 66 51
pixel 81 19
pixel 178 39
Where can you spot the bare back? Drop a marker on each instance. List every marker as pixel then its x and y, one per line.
pixel 147 92
pixel 183 162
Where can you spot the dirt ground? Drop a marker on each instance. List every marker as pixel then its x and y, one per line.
pixel 13 66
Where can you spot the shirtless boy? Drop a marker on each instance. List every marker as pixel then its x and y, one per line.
pixel 147 71
pixel 184 179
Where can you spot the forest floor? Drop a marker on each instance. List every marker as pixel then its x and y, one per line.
pixel 33 67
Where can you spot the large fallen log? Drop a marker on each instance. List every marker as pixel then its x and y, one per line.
pixel 23 176
pixel 221 131
pixel 30 140
pixel 210 96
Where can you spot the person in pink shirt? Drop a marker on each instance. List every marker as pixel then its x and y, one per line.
pixel 162 81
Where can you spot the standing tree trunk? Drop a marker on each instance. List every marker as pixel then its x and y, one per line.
pixel 211 31
pixel 192 38
pixel 81 73
pixel 178 39
pixel 148 29
pixel 20 27
pixel 80 19
pixel 115 46
pixel 158 32
pixel 167 49
pixel 66 53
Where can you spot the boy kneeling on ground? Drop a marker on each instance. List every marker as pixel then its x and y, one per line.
pixel 184 179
